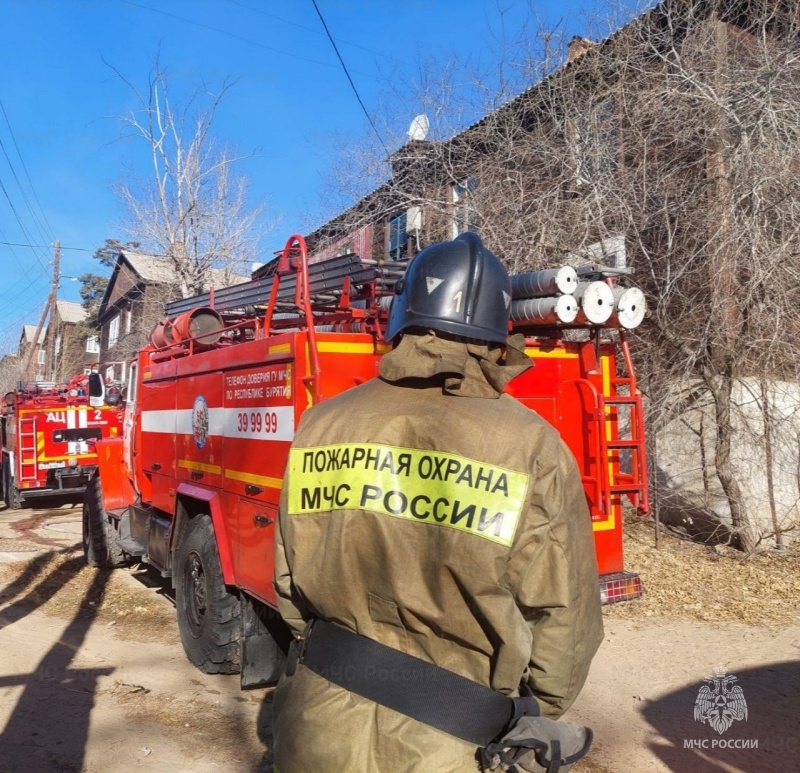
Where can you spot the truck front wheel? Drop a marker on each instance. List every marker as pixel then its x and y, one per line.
pixel 208 613
pixel 99 538
pixel 10 492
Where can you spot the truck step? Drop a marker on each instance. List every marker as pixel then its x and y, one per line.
pixel 130 546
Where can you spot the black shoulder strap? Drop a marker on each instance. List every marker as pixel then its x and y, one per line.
pixel 420 690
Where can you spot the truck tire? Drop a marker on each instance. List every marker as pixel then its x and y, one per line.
pixel 10 491
pixel 99 540
pixel 209 615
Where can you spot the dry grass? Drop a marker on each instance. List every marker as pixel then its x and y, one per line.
pixel 687 580
pixel 60 584
pixel 204 731
pixel 682 580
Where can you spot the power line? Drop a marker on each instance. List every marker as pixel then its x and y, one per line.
pixel 231 34
pixel 44 246
pixel 317 32
pixel 20 320
pixel 10 290
pixel 25 169
pixel 11 246
pixel 23 295
pixel 8 303
pixel 36 221
pixel 22 225
pixel 353 85
pixel 13 326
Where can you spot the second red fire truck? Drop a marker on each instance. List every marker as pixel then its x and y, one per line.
pixel 211 406
pixel 48 433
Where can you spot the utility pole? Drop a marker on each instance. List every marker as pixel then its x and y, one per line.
pixel 50 305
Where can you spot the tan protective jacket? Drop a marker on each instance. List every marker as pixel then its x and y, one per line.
pixel 451 527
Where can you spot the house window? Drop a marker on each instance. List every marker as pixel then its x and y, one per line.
pixel 93 345
pixel 110 373
pixel 57 346
pixel 465 215
pixel 128 315
pixel 113 331
pixel 40 357
pixel 398 237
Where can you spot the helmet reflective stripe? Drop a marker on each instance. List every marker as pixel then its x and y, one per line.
pixel 456 287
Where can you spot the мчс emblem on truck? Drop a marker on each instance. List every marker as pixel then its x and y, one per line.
pixel 200 421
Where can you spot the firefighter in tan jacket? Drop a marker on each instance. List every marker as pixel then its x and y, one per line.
pixel 429 513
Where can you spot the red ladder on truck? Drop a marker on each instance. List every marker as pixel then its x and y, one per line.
pixel 28 458
pixel 625 456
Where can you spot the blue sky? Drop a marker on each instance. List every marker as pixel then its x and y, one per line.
pixel 290 110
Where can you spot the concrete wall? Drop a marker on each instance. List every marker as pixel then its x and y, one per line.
pixel 688 491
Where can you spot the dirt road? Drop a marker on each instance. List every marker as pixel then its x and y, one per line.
pixel 93 678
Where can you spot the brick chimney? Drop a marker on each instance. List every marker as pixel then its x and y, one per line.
pixel 578 46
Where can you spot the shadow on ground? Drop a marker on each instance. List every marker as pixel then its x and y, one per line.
pixel 768 741
pixel 67 502
pixel 49 724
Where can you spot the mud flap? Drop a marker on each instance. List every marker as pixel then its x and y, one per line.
pixel 265 641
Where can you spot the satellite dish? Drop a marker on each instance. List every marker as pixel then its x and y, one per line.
pixel 419 128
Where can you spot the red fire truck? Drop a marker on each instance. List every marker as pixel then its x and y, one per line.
pixel 192 488
pixel 48 433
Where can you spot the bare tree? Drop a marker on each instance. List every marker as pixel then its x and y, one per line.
pixel 679 132
pixel 12 371
pixel 192 205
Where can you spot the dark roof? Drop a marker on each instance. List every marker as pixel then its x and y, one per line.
pixel 157 270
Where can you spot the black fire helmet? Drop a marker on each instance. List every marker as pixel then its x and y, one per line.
pixel 456 287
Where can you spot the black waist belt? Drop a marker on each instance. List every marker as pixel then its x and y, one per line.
pixel 420 690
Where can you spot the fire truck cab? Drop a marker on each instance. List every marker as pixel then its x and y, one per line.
pixel 192 486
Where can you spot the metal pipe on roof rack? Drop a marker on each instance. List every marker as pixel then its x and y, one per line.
pixel 328 298
pixel 393 269
pixel 630 307
pixel 545 311
pixel 541 284
pixel 596 301
pixel 383 263
pixel 353 326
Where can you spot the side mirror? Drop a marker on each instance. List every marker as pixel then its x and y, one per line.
pixel 97 390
